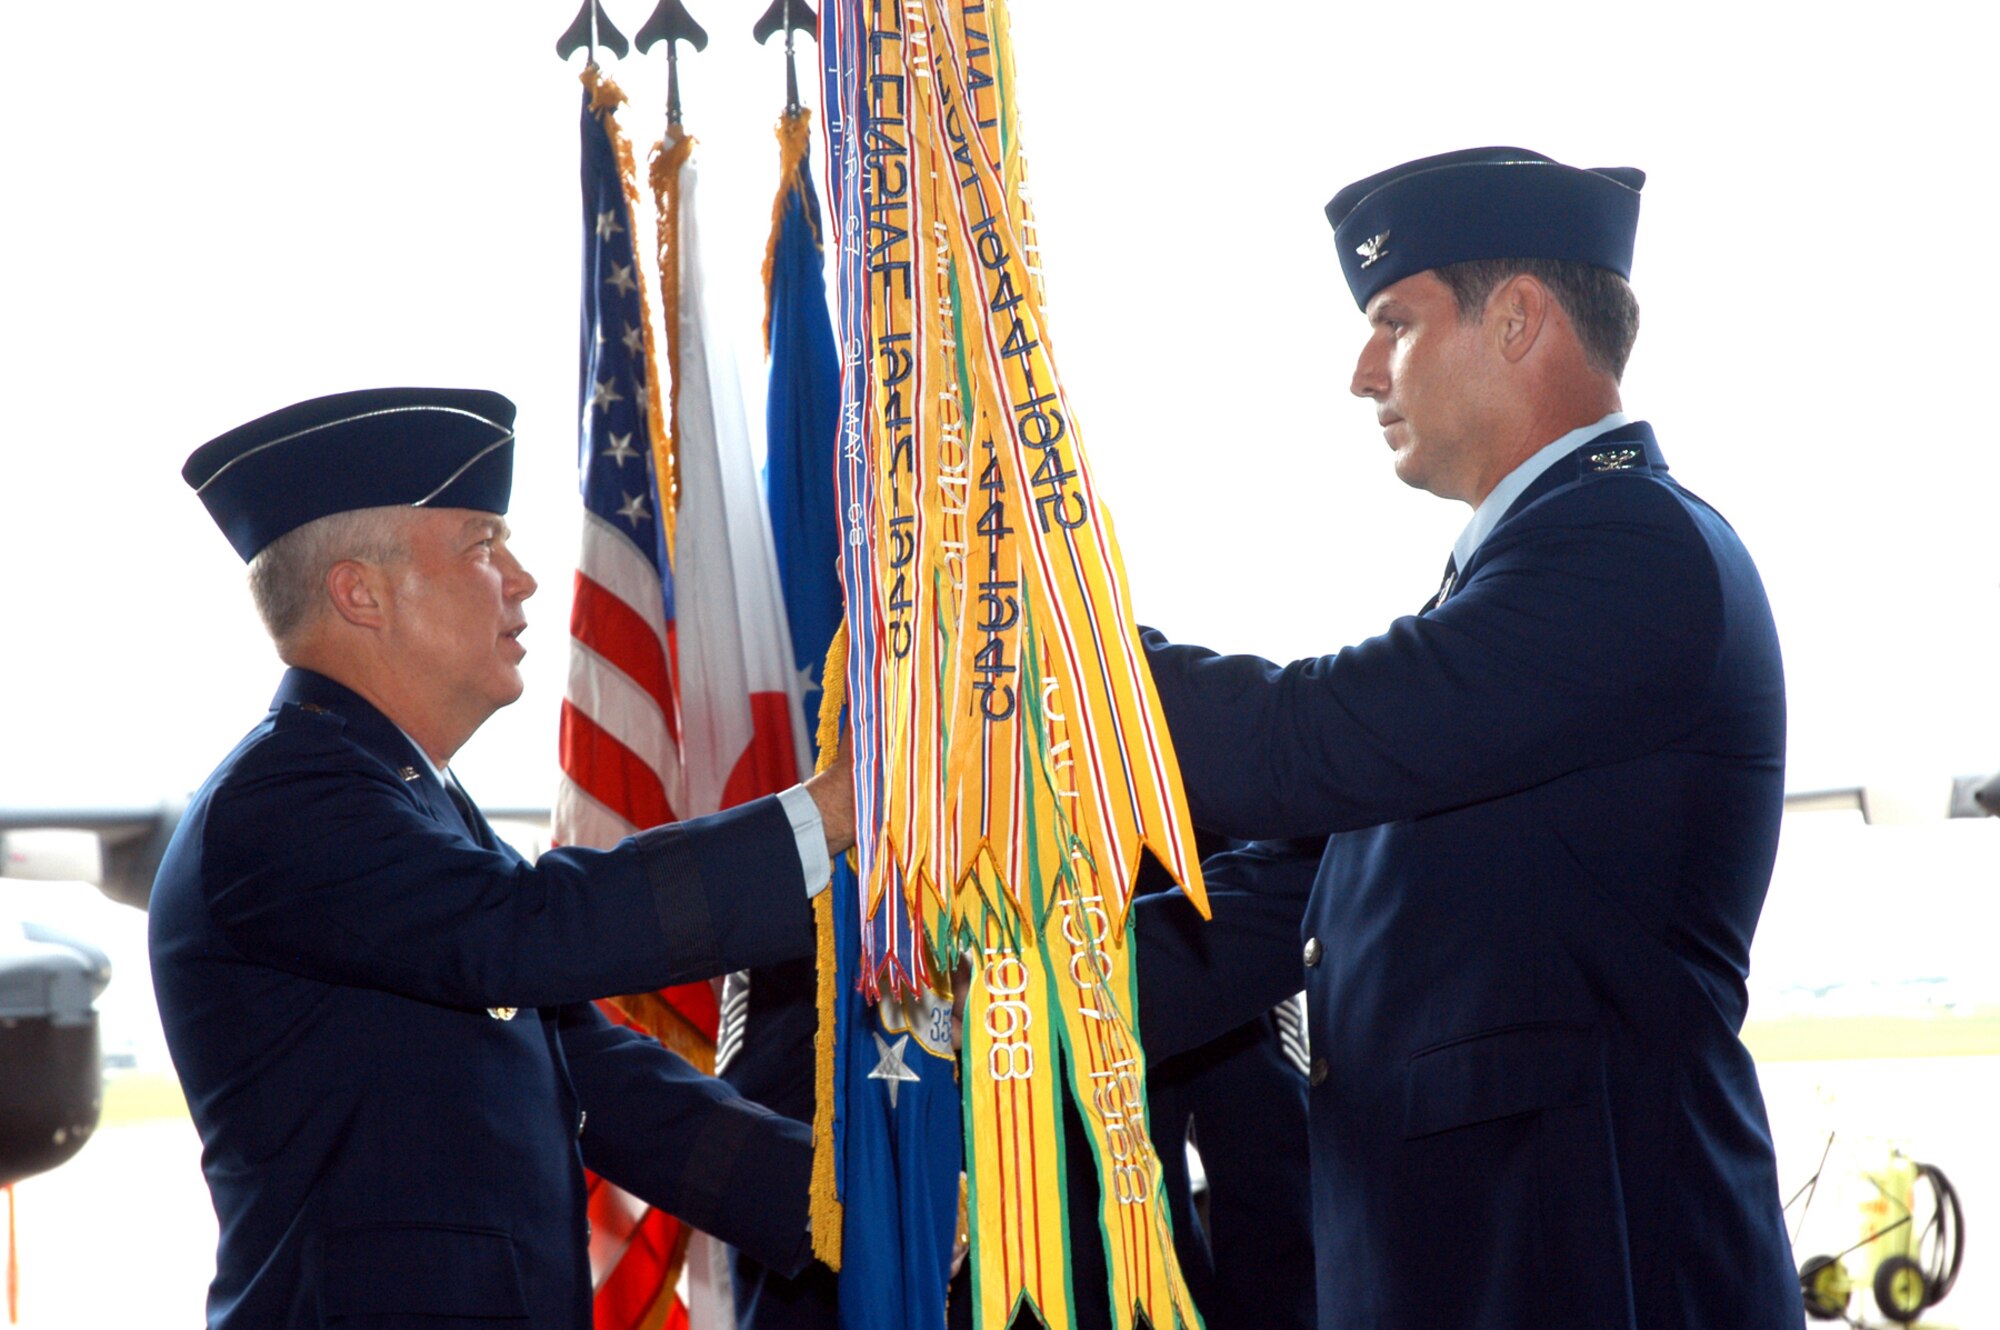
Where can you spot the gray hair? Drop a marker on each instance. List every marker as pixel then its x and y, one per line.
pixel 288 576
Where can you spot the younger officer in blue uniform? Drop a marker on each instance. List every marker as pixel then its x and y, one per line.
pixel 1553 798
pixel 379 1012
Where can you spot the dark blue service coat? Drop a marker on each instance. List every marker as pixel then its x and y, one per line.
pixel 1245 1243
pixel 329 933
pixel 1554 803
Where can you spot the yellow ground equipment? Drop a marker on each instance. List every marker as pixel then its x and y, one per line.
pixel 1912 1243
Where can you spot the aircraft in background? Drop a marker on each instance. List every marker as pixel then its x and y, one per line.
pixel 118 850
pixel 1887 804
pixel 51 1096
pixel 56 961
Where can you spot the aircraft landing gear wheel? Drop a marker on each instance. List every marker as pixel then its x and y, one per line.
pixel 1901 1289
pixel 1824 1283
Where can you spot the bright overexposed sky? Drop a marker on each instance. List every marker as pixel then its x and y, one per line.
pixel 221 206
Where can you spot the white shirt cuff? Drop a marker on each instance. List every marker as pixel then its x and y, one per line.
pixel 810 833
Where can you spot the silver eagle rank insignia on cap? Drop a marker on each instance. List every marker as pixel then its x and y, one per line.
pixel 1372 249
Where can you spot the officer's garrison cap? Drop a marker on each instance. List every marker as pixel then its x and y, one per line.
pixel 1482 203
pixel 377 448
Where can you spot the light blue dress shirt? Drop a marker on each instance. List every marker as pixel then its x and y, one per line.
pixel 1512 486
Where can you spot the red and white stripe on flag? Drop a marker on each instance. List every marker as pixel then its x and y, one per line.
pixel 620 743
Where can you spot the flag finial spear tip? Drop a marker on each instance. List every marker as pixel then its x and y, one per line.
pixel 671 23
pixel 590 29
pixel 788 16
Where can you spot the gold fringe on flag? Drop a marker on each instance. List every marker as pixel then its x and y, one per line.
pixel 832 697
pixel 661 1313
pixel 794 131
pixel 605 99
pixel 664 172
pixel 658 1018
pixel 824 1211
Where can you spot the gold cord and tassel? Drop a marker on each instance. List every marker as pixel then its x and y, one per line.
pixel 825 1208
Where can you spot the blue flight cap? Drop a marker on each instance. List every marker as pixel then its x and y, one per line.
pixel 1482 203
pixel 378 448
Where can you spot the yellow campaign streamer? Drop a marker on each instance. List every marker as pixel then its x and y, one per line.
pixel 1130 795
pixel 1091 973
pixel 1025 766
pixel 984 735
pixel 899 328
pixel 1014 1133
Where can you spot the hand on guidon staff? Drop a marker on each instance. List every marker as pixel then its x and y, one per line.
pixel 832 790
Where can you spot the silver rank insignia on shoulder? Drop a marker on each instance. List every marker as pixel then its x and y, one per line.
pixel 409 773
pixel 1616 459
pixel 502 1013
pixel 1372 249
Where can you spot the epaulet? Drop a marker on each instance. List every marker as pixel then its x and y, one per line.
pixel 309 713
pixel 1620 457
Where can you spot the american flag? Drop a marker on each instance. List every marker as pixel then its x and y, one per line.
pixel 620 729
pixel 620 718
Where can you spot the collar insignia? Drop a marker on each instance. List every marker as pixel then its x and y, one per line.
pixel 1373 248
pixel 408 772
pixel 1616 459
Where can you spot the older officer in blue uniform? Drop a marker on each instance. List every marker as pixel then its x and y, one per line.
pixel 379 1012
pixel 1553 797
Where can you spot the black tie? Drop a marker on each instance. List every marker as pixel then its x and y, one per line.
pixel 1444 587
pixel 466 812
